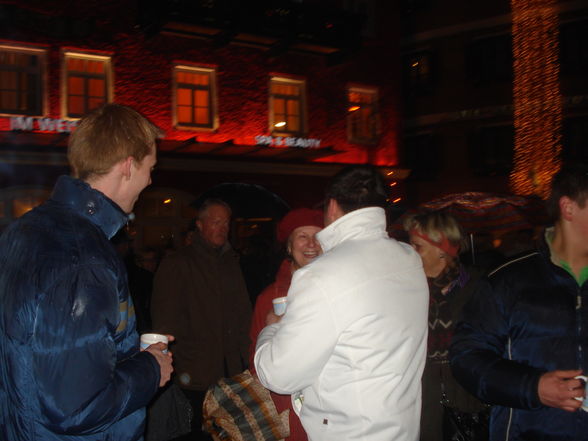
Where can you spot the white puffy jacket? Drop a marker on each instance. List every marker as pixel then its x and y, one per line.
pixel 353 339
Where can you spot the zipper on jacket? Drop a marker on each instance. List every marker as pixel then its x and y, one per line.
pixel 579 327
pixel 510 410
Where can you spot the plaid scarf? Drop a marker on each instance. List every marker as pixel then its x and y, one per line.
pixel 442 289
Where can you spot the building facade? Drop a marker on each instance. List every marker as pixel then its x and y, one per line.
pixel 277 96
pixel 457 63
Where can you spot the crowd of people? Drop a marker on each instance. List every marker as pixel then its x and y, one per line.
pixel 380 339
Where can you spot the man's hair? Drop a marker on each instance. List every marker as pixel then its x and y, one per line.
pixel 203 208
pixel 108 135
pixel 357 186
pixel 570 181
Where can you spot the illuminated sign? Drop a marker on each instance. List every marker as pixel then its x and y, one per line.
pixel 29 124
pixel 290 141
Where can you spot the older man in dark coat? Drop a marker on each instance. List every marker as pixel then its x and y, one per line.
pixel 200 297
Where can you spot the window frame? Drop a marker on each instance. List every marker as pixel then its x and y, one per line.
pixel 482 144
pixel 41 81
pixel 212 97
pixel 489 59
pixel 423 153
pixel 421 82
pixel 303 125
pixel 107 76
pixel 374 117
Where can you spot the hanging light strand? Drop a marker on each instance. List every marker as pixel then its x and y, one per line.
pixel 537 98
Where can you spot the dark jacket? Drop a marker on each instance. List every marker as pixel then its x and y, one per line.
pixel 70 363
pixel 199 296
pixel 528 317
pixel 437 378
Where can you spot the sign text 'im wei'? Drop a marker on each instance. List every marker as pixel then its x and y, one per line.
pixel 29 124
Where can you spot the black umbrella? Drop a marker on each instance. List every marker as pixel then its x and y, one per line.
pixel 246 200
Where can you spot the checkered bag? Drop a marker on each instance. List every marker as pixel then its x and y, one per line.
pixel 241 409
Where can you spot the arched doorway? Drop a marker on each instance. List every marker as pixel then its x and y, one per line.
pixel 256 210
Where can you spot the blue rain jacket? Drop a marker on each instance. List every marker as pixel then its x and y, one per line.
pixel 526 318
pixel 70 366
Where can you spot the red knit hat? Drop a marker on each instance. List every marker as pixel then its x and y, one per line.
pixel 300 217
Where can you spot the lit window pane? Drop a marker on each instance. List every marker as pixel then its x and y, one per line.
pixel 293 108
pixel 279 106
pixel 75 105
pixel 75 64
pixel 95 102
pixel 181 77
pixel 95 66
pixel 8 99
pixel 184 114
pixel 96 87
pixel 75 86
pixel 184 97
pixel 203 80
pixel 293 123
pixel 8 80
pixel 201 116
pixel 202 98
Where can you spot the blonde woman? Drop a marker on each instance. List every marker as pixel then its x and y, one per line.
pixel 438 239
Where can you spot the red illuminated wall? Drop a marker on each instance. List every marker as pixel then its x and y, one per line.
pixel 143 68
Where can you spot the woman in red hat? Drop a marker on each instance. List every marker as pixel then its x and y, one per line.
pixel 297 230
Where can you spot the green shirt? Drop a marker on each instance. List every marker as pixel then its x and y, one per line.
pixel 582 277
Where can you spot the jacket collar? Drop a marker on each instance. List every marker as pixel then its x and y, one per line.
pixel 199 243
pixel 90 204
pixel 358 224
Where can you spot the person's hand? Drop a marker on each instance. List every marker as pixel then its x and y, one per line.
pixel 272 318
pixel 164 360
pixel 558 389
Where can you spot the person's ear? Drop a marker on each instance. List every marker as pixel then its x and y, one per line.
pixel 126 167
pixel 333 211
pixel 566 208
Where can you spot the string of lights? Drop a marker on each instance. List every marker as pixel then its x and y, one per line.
pixel 537 98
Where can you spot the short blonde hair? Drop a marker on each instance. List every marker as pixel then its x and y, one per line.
pixel 107 135
pixel 437 225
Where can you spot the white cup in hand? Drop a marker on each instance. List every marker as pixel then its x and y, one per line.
pixel 150 339
pixel 585 399
pixel 280 304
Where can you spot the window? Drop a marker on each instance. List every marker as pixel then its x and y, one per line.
pixel 362 115
pixel 22 72
pixel 87 83
pixel 575 139
pixel 490 59
pixel 287 106
pixel 418 71
pixel 574 47
pixel 422 155
pixel 491 150
pixel 195 98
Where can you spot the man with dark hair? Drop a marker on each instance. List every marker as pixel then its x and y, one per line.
pixel 524 334
pixel 351 345
pixel 70 365
pixel 200 297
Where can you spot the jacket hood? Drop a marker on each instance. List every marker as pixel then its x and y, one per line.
pixel 90 204
pixel 362 223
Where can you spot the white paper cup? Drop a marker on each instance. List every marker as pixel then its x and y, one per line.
pixel 280 304
pixel 585 399
pixel 150 339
